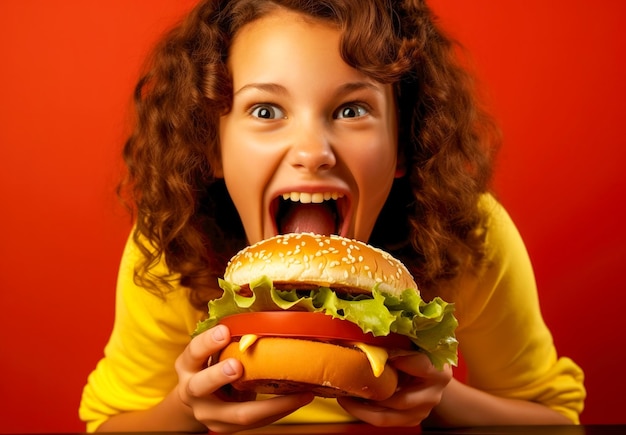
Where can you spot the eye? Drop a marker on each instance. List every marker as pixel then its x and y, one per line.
pixel 267 111
pixel 352 110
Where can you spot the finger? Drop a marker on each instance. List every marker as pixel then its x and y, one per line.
pixel 376 414
pixel 212 378
pixel 420 390
pixel 417 364
pixel 198 351
pixel 418 370
pixel 415 396
pixel 424 388
pixel 228 393
pixel 248 415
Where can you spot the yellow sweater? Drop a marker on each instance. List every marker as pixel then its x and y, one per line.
pixel 504 341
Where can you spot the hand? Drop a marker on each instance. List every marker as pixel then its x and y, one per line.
pixel 199 388
pixel 421 386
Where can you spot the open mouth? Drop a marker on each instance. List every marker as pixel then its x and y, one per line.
pixel 300 212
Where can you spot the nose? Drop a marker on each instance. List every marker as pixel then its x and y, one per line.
pixel 312 152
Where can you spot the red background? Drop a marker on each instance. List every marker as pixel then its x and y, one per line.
pixel 554 73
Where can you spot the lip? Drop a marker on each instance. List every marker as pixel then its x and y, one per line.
pixel 306 194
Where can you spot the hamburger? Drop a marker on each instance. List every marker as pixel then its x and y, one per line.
pixel 325 314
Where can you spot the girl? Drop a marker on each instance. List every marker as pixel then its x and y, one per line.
pixel 259 117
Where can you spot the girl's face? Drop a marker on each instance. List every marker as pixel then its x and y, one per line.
pixel 310 143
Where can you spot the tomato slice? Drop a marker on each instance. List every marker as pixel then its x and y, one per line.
pixel 303 324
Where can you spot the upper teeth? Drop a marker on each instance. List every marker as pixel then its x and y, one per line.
pixel 307 198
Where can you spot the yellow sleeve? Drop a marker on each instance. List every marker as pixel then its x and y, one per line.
pixel 505 343
pixel 137 370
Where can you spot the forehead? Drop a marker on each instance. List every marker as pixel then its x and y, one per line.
pixel 281 15
pixel 283 43
pixel 276 27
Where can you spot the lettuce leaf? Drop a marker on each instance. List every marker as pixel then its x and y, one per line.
pixel 429 325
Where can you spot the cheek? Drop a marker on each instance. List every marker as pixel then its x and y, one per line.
pixel 248 166
pixel 373 169
pixel 238 152
pixel 374 166
pixel 238 171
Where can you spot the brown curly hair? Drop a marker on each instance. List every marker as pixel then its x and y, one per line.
pixel 184 215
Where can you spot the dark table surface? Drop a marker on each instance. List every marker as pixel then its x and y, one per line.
pixel 343 429
pixel 491 430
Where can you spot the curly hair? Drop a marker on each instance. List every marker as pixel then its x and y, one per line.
pixel 184 215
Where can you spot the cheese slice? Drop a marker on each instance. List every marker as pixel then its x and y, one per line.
pixel 377 357
pixel 246 341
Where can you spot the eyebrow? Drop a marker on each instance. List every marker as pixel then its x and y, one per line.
pixel 270 88
pixel 274 88
pixel 357 86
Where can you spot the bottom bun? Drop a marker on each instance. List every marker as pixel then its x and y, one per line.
pixel 275 365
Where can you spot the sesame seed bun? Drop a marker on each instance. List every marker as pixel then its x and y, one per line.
pixel 305 259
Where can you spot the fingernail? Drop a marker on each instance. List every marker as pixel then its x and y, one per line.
pixel 218 333
pixel 228 369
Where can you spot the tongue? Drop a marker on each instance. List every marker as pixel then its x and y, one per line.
pixel 309 218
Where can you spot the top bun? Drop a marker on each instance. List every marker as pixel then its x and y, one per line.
pixel 303 260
